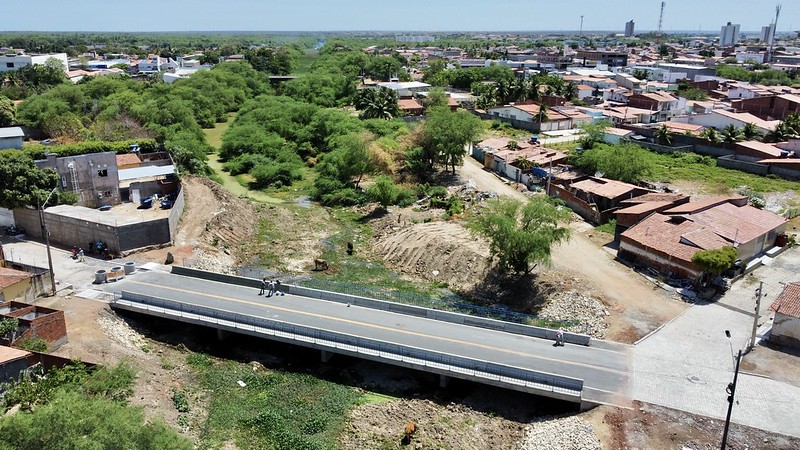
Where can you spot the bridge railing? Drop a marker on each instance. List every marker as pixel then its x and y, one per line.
pixel 545 332
pixel 386 350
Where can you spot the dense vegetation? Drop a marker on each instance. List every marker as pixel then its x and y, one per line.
pixel 117 108
pixel 75 407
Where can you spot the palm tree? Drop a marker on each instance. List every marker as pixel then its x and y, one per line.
pixel 750 131
pixel 377 103
pixel 710 134
pixel 542 115
pixel 503 90
pixel 792 122
pixel 730 135
pixel 570 91
pixel 663 135
pixel 781 133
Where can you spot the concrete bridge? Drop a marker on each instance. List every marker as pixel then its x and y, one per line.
pixel 518 357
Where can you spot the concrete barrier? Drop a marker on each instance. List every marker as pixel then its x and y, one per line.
pixel 411 310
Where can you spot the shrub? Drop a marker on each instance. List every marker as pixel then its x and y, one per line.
pixel 180 401
pixel 33 344
pixel 715 261
pixel 199 360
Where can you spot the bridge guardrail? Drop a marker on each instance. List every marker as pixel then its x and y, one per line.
pixel 418 311
pixel 565 385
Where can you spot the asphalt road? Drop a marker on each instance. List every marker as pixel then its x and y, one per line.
pixel 604 367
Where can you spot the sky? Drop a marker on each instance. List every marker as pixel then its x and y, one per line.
pixel 397 15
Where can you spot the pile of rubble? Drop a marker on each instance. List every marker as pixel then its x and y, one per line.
pixel 218 262
pixel 469 192
pixel 564 433
pixel 574 306
pixel 119 330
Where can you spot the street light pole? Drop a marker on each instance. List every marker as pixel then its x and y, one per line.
pixel 731 390
pixel 47 241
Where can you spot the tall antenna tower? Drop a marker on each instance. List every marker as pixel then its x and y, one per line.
pixel 580 32
pixel 660 22
pixel 774 32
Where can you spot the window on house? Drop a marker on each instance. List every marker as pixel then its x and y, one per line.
pixel 102 173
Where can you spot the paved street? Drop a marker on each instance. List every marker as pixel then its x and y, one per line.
pixel 688 363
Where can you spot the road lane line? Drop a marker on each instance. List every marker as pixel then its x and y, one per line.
pixel 380 327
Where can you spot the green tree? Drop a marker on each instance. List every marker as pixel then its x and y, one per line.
pixel 8 326
pixel 73 420
pixel 542 115
pixel 750 131
pixel 380 103
pixel 8 113
pixel 383 191
pixel 24 184
pixel 521 235
pixel 436 97
pixel 715 261
pixel 624 162
pixel 730 134
pixel 710 134
pixel 593 133
pixel 663 135
pixel 446 133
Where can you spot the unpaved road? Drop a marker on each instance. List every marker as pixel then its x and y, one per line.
pixel 640 306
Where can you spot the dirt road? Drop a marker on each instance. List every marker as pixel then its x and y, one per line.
pixel 640 306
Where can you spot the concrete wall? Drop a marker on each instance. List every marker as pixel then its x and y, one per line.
pixel 69 231
pixel 634 253
pixel 6 217
pixel 11 142
pixel 175 214
pixel 786 330
pixel 400 308
pixel 730 162
pixel 37 321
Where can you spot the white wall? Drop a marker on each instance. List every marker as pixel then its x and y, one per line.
pixel 786 326
pixel 20 61
pixel 510 113
pixel 6 217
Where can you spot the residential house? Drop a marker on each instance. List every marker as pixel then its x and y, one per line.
pixel 720 118
pixel 584 91
pixel 740 90
pixel 93 177
pixel 601 57
pixel 516 163
pixel 11 137
pixel 666 241
pixel 634 210
pixel 405 89
pixel 770 107
pixel 615 135
pixel 786 324
pixel 757 150
pixel 15 61
pixel 664 105
pixel 15 284
pixel 410 107
pixel 594 198
pixel 527 113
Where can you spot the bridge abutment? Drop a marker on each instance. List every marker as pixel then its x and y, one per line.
pixel 325 356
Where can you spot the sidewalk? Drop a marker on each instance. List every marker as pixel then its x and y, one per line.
pixel 689 362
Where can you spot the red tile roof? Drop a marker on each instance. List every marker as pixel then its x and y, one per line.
pixel 640 208
pixel 788 302
pixel 693 207
pixel 407 104
pixel 654 197
pixel 10 277
pixel 8 354
pixel 738 223
pixel 603 187
pixel 661 233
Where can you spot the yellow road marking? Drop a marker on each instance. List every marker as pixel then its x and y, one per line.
pixel 379 327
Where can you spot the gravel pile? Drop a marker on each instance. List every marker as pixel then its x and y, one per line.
pixel 219 263
pixel 120 331
pixel 574 306
pixel 560 433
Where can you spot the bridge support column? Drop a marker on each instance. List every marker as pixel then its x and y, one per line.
pixel 444 380
pixel 222 334
pixel 325 356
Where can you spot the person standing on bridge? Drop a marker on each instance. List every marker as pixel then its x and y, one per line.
pixel 271 288
pixel 263 286
pixel 560 338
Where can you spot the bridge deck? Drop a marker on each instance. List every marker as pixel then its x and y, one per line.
pixel 604 368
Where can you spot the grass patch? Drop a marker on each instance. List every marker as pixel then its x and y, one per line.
pixel 608 227
pixel 214 135
pixel 275 410
pixel 373 398
pixel 304 62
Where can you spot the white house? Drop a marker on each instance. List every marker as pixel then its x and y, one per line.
pixel 720 118
pixel 13 61
pixel 11 137
pixel 786 325
pixel 186 72
pixel 528 113
pixel 747 90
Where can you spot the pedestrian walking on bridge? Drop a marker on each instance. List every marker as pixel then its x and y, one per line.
pixel 263 286
pixel 560 338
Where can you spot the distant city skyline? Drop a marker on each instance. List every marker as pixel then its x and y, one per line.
pixel 360 15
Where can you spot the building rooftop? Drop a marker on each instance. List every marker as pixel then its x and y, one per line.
pixel 11 132
pixel 788 302
pixel 604 187
pixel 8 354
pixel 10 277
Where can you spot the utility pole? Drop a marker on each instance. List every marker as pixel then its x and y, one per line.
pixel 47 240
pixel 731 390
pixel 755 319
